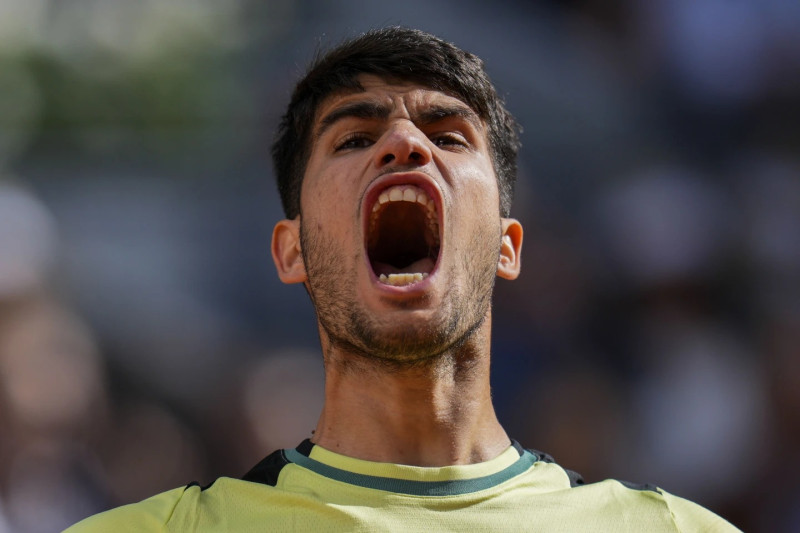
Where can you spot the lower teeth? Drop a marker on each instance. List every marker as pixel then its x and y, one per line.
pixel 402 279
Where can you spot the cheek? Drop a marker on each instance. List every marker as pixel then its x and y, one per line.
pixel 320 193
pixel 478 190
pixel 327 209
pixel 328 183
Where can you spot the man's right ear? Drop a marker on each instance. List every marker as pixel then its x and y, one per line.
pixel 286 251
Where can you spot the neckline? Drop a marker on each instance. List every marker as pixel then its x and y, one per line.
pixel 413 480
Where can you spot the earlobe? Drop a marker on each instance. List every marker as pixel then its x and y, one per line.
pixel 508 266
pixel 286 251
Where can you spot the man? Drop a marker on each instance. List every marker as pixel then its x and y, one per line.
pixel 396 165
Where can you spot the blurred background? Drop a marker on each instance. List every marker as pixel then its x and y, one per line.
pixel 145 341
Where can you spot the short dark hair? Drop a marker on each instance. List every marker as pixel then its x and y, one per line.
pixel 401 54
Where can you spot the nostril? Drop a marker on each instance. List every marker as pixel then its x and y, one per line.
pixel 388 158
pixel 415 156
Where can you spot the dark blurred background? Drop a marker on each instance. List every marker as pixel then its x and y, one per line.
pixel 146 342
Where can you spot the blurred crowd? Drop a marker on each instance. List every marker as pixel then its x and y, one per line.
pixel 654 335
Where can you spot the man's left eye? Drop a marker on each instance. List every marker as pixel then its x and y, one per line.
pixel 448 139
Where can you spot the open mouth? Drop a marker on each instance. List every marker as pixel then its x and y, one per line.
pixel 403 235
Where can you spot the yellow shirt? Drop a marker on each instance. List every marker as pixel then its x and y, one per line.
pixel 313 489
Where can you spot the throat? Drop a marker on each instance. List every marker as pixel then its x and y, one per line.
pixel 411 394
pixel 411 427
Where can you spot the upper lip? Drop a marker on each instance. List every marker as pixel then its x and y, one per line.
pixel 418 179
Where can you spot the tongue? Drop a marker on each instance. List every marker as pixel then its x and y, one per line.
pixel 423 266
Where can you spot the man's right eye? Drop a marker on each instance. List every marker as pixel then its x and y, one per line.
pixel 352 141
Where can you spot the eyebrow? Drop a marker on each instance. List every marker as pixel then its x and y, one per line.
pixel 442 112
pixel 375 110
pixel 362 110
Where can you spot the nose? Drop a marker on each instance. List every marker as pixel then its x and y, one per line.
pixel 403 144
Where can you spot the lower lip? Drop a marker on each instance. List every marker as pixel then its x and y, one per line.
pixel 411 288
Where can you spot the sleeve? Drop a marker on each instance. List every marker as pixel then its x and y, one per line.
pixel 148 516
pixel 690 517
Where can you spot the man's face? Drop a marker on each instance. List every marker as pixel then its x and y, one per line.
pixel 400 225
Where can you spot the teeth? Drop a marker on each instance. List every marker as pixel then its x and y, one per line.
pixel 408 193
pixel 402 279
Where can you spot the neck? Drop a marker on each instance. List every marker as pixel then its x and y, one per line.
pixel 434 414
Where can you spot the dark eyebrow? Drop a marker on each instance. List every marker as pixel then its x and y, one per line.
pixel 362 110
pixel 375 110
pixel 441 112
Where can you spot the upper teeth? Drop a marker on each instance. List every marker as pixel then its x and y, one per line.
pixel 408 193
pixel 405 193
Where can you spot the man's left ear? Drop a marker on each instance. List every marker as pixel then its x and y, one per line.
pixel 510 259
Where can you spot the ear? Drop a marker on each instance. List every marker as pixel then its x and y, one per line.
pixel 286 251
pixel 509 264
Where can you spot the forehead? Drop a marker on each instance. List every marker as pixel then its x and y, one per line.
pixel 398 97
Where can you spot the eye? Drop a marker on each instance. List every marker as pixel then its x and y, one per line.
pixel 353 141
pixel 448 139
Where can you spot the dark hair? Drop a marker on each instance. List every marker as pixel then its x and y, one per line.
pixel 402 54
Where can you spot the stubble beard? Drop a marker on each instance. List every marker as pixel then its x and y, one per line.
pixel 352 329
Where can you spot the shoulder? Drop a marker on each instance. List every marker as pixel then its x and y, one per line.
pixel 690 516
pixel 650 504
pixel 627 503
pixel 184 509
pixel 150 515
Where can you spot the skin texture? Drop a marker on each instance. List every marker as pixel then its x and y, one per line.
pixel 407 369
